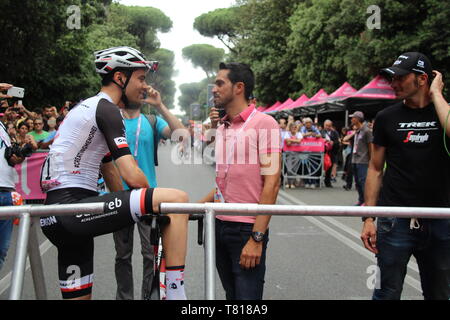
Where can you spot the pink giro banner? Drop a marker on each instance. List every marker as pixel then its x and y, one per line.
pixel 29 177
pixel 306 145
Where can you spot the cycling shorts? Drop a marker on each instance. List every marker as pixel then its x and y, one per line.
pixel 74 235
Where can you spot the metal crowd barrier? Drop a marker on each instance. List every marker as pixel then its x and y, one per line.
pixel 212 209
pixel 27 237
pixel 303 165
pixel 27 241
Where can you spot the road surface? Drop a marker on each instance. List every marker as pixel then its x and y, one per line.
pixel 308 257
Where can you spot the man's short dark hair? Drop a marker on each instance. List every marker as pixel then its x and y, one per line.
pixel 38 111
pixel 240 72
pixel 108 78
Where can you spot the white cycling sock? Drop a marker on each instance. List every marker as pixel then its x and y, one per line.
pixel 175 283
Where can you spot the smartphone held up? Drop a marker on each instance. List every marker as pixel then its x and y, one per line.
pixel 16 92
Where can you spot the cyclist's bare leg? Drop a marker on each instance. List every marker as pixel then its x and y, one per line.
pixel 174 239
pixel 174 234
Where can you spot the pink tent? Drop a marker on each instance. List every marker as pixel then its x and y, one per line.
pixel 261 108
pixel 378 88
pixel 298 103
pixel 345 91
pixel 318 98
pixel 273 107
pixel 285 104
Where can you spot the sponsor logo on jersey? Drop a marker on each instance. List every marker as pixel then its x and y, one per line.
pixel 416 138
pixel 117 203
pixel 418 125
pixel 77 160
pixel 121 142
pixel 45 222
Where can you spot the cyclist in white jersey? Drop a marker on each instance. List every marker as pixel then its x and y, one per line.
pixel 90 138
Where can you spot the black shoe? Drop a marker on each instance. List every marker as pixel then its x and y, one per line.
pixel 347 188
pixel 328 186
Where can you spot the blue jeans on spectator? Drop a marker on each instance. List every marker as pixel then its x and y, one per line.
pixel 5 227
pixel 430 245
pixel 238 283
pixel 360 174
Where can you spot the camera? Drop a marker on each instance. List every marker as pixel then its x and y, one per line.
pixel 17 150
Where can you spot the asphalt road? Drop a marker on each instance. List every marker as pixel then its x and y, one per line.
pixel 315 258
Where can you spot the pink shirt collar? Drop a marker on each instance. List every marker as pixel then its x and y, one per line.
pixel 242 117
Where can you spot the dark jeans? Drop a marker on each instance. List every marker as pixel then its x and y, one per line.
pixel 430 245
pixel 238 283
pixel 6 227
pixel 360 174
pixel 348 170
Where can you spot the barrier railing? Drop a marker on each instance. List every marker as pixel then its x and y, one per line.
pixel 303 165
pixel 212 209
pixel 27 241
pixel 27 237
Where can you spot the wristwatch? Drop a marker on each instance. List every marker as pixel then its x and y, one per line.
pixel 258 236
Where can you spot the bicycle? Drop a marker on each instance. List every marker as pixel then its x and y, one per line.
pixel 157 223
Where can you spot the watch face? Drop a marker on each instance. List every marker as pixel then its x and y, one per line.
pixel 257 236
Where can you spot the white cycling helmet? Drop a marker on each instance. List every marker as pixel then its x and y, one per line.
pixel 121 57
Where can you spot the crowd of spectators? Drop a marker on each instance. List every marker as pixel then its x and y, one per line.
pixel 36 128
pixel 339 149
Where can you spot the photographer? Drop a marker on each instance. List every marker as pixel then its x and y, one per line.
pixel 11 115
pixel 23 138
pixel 26 114
pixel 5 87
pixel 8 196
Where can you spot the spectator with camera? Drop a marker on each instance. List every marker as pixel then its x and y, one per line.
pixel 11 129
pixel 8 196
pixel 23 137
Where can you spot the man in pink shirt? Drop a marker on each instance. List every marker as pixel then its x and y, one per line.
pixel 248 162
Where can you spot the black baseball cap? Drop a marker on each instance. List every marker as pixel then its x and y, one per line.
pixel 409 62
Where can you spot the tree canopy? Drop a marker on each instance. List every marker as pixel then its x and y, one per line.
pixel 42 52
pixel 204 56
pixel 223 23
pixel 301 46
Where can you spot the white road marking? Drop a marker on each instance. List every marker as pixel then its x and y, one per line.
pixel 5 282
pixel 286 198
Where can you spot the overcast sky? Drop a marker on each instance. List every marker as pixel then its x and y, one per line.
pixel 183 13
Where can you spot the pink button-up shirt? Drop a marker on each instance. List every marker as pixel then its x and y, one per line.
pixel 239 144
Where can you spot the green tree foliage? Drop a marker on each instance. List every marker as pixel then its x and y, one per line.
pixel 162 80
pixel 331 43
pixel 223 23
pixel 195 92
pixel 54 63
pixel 205 56
pixel 189 94
pixel 300 46
pixel 40 53
pixel 144 22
